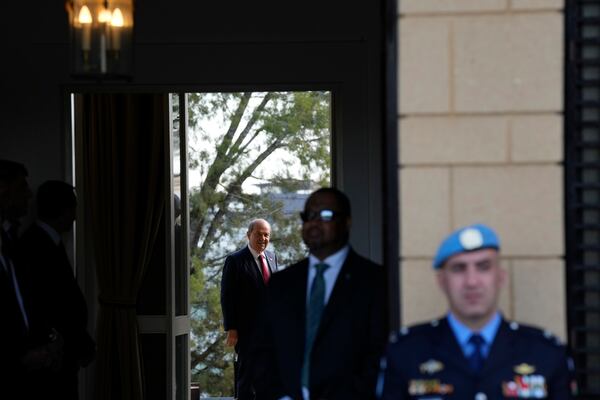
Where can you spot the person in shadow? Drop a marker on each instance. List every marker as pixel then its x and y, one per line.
pixel 15 203
pixel 57 301
pixel 324 327
pixel 26 345
pixel 14 316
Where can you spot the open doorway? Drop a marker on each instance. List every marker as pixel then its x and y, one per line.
pixel 249 155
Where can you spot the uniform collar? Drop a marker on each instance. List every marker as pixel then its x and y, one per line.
pixel 255 253
pixel 335 261
pixel 463 333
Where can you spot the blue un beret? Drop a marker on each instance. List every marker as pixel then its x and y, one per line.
pixel 468 238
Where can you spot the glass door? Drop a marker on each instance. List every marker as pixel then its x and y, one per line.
pixel 178 274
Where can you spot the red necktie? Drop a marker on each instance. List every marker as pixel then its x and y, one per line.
pixel 265 269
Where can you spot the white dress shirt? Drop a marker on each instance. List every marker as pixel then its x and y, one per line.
pixel 335 262
pixel 255 255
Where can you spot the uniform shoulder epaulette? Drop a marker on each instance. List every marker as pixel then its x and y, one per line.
pixel 410 331
pixel 543 335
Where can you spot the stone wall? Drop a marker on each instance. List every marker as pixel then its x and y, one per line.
pixel 481 140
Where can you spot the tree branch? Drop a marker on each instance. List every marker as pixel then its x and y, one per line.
pixel 197 357
pixel 217 168
pixel 234 190
pixel 235 149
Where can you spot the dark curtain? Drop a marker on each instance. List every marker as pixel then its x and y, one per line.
pixel 123 153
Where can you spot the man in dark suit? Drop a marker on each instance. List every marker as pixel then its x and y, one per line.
pixel 245 277
pixel 474 353
pixel 26 344
pixel 14 317
pixel 56 297
pixel 324 329
pixel 15 204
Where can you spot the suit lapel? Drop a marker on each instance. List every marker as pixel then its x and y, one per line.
pixel 251 268
pixel 297 296
pixel 271 261
pixel 62 253
pixel 292 326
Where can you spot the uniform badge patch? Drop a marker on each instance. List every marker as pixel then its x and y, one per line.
pixel 526 387
pixel 524 369
pixel 431 367
pixel 420 387
pixel 574 388
pixel 471 239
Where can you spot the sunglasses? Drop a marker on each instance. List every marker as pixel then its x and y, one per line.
pixel 321 215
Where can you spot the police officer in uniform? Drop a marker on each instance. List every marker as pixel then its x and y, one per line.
pixel 474 353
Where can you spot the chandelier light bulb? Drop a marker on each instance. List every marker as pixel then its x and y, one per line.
pixel 85 16
pixel 117 18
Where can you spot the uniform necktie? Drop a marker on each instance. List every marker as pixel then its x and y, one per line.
pixel 476 357
pixel 266 274
pixel 316 304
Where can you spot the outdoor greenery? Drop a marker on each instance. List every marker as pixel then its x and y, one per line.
pixel 250 150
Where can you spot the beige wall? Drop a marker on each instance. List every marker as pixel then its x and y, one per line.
pixel 481 100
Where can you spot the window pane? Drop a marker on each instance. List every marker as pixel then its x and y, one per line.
pixel 154 353
pixel 179 187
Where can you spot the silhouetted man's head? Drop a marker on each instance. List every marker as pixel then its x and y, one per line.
pixel 326 222
pixel 14 190
pixel 57 204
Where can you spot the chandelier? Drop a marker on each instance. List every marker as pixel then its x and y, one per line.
pixel 101 36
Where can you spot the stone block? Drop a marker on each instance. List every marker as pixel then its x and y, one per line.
pixel 537 4
pixel 505 303
pixel 537 138
pixel 423 83
pixel 511 62
pixel 422 299
pixel 444 140
pixel 539 294
pixel 450 6
pixel 523 203
pixel 424 209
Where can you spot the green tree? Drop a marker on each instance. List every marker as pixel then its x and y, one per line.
pixel 232 136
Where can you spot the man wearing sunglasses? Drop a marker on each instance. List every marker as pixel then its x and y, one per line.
pixel 324 324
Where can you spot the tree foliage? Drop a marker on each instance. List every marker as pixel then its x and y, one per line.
pixel 233 141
